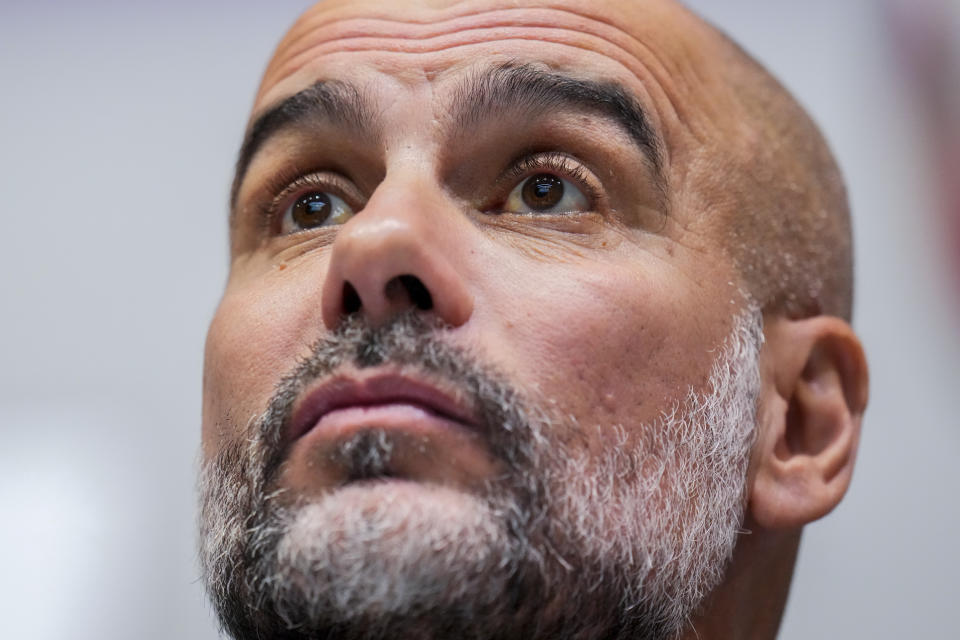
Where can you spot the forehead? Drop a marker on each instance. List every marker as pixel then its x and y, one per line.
pixel 642 44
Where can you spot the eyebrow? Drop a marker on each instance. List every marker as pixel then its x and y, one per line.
pixel 489 94
pixel 335 102
pixel 532 91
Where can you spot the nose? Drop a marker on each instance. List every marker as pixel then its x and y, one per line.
pixel 395 255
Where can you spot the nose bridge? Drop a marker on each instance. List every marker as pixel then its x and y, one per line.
pixel 396 254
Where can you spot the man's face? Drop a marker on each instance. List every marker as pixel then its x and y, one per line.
pixel 515 177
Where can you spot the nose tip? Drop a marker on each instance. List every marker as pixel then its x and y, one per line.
pixel 381 268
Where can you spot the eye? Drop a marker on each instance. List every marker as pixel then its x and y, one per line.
pixel 546 193
pixel 315 209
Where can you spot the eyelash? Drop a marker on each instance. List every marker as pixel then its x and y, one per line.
pixel 552 162
pixel 287 182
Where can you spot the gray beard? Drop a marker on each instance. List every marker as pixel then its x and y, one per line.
pixel 564 545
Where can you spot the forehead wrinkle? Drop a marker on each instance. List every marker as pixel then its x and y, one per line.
pixel 429 28
pixel 611 51
pixel 615 54
pixel 310 44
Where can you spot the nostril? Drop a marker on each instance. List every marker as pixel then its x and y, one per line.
pixel 418 293
pixel 351 299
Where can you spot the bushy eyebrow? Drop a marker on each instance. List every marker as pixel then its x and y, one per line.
pixel 337 103
pixel 529 91
pixel 518 89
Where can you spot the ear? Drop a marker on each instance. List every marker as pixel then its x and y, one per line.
pixel 814 393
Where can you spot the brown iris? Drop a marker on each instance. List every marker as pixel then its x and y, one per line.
pixel 311 210
pixel 542 191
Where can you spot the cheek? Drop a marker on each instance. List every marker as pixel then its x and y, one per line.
pixel 609 346
pixel 259 330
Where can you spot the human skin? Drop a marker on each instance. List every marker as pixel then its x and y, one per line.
pixel 613 313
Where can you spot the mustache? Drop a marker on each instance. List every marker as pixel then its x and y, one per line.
pixel 409 340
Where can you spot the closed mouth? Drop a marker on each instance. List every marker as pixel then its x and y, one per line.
pixel 389 399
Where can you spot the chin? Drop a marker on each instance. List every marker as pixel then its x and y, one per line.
pixel 386 549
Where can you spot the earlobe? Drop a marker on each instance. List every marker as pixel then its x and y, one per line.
pixel 814 395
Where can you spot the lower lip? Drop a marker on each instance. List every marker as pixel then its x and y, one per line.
pixel 411 419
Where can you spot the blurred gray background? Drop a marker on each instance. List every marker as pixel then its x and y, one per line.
pixel 118 126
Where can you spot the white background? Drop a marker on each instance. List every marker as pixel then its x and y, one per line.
pixel 118 127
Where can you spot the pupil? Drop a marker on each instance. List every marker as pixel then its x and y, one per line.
pixel 542 191
pixel 311 210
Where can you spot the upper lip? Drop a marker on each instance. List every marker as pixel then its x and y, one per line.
pixel 344 392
